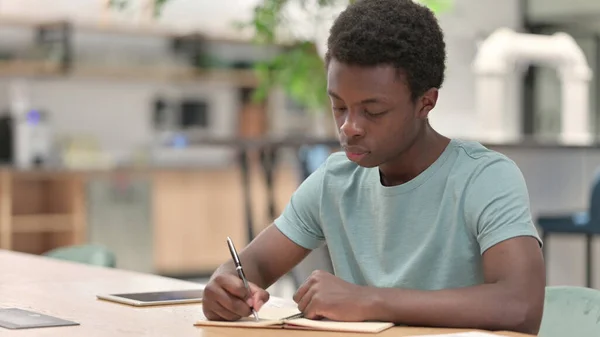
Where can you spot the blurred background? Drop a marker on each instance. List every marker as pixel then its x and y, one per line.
pixel 150 130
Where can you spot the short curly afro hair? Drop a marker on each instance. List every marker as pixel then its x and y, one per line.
pixel 400 33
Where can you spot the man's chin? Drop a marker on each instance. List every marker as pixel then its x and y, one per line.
pixel 367 164
pixel 364 161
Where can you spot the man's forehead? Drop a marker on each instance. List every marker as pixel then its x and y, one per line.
pixel 378 72
pixel 382 79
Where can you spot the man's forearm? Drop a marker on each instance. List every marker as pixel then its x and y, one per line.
pixel 489 306
pixel 268 257
pixel 252 272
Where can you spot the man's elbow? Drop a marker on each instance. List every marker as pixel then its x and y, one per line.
pixel 525 316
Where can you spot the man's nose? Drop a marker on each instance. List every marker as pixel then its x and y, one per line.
pixel 351 127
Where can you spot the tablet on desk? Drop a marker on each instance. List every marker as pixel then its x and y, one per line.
pixel 156 297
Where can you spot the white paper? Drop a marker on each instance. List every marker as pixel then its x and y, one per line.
pixel 277 302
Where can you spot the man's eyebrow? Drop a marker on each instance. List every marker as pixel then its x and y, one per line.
pixel 364 101
pixel 333 94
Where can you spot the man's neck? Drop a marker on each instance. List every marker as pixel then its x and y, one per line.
pixel 417 158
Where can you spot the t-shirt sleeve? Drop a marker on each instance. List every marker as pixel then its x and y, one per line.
pixel 300 220
pixel 497 204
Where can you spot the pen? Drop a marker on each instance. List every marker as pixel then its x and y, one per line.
pixel 240 271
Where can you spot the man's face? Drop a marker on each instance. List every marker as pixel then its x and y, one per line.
pixel 375 116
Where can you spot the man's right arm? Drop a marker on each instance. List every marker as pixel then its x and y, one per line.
pixel 267 258
pixel 272 254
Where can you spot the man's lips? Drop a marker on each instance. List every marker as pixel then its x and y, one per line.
pixel 355 156
pixel 355 149
pixel 355 153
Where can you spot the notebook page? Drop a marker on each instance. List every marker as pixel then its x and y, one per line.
pixel 277 302
pixel 245 322
pixel 367 327
pixel 267 316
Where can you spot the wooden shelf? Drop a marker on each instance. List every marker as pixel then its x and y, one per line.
pixel 117 27
pixel 42 223
pixel 40 212
pixel 241 77
pixel 129 72
pixel 22 21
pixel 133 71
pixel 28 68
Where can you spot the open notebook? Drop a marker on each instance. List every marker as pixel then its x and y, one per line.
pixel 283 318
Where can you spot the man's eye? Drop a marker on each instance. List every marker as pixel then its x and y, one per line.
pixel 336 109
pixel 370 113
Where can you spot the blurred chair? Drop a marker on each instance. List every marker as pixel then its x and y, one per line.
pixel 571 311
pixel 311 157
pixel 585 223
pixel 87 254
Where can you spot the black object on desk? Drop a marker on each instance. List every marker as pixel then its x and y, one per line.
pixel 577 223
pixel 13 318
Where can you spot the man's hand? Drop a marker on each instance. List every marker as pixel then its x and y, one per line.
pixel 226 298
pixel 326 296
pixel 269 256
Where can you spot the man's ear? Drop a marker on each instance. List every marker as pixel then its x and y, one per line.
pixel 427 101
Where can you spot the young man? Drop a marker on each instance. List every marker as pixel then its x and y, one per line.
pixel 422 230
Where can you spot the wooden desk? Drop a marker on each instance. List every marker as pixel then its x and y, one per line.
pixel 68 291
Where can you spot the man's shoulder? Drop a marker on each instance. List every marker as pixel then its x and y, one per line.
pixel 480 170
pixel 478 152
pixel 475 158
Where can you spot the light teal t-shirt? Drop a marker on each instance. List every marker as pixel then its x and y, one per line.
pixel 428 233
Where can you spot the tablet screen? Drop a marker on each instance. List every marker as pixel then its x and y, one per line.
pixel 159 296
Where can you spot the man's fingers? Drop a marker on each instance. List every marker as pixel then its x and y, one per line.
pixel 234 286
pixel 233 295
pixel 212 307
pixel 306 299
pixel 310 310
pixel 225 313
pixel 259 297
pixel 232 304
pixel 302 290
pixel 219 313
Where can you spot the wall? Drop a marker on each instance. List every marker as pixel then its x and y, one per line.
pixel 468 22
pixel 209 16
pixel 464 26
pixel 563 9
pixel 548 94
pixel 117 111
pixel 118 114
